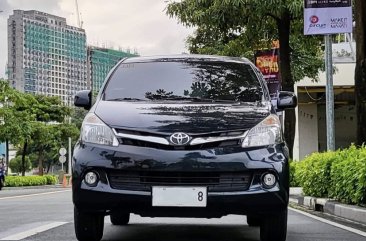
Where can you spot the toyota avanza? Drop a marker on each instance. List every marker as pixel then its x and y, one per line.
pixel 182 136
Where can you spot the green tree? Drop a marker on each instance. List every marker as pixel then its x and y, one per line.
pixel 16 126
pixel 360 72
pixel 20 165
pixel 50 131
pixel 34 123
pixel 237 27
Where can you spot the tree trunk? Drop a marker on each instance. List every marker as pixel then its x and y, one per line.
pixel 48 167
pixel 284 26
pixel 360 72
pixel 23 157
pixel 40 163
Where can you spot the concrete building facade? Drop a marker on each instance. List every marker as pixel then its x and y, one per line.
pixel 45 55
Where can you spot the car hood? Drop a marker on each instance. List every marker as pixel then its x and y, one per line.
pixel 188 117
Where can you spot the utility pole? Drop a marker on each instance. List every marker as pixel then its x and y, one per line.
pixel 329 93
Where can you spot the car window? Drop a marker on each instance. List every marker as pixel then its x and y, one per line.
pixel 179 80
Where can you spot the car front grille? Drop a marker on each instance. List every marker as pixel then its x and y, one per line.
pixel 131 142
pixel 215 182
pixel 146 139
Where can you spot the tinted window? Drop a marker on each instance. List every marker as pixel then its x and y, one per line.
pixel 180 80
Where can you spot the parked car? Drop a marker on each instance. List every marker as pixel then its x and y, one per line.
pixel 182 136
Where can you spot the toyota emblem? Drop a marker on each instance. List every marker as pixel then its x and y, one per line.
pixel 179 138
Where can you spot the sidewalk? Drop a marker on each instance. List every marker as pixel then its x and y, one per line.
pixel 351 212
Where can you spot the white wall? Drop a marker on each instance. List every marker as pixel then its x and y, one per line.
pixel 306 136
pixel 344 75
pixel 345 126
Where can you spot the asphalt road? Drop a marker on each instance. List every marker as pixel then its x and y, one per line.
pixel 36 213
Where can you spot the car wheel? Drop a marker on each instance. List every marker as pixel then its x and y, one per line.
pixel 253 221
pixel 274 227
pixel 88 226
pixel 119 218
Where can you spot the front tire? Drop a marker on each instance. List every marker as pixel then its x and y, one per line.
pixel 274 227
pixel 88 226
pixel 119 218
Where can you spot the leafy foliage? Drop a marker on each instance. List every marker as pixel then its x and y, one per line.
pixel 294 180
pixel 340 175
pixel 314 174
pixel 16 165
pixel 19 181
pixel 348 176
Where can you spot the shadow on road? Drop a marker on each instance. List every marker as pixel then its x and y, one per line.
pixel 180 232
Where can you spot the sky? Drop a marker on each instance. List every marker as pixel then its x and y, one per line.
pixel 135 24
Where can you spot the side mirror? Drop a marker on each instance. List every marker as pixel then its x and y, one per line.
pixel 286 100
pixel 83 99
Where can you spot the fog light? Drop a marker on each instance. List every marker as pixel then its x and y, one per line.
pixel 91 178
pixel 269 180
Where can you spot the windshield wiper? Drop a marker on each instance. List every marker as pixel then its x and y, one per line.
pixel 125 99
pixel 198 99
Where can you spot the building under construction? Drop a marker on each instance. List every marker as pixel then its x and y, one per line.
pixel 45 55
pixel 101 61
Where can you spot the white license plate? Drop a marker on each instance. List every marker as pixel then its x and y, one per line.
pixel 179 196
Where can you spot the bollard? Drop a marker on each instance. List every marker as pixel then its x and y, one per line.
pixel 64 181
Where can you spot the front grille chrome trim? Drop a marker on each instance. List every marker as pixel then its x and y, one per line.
pixel 165 141
pixel 204 140
pixel 154 139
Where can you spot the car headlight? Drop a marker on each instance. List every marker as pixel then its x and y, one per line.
pixel 267 132
pixel 95 131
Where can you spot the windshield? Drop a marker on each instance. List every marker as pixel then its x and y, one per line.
pixel 179 81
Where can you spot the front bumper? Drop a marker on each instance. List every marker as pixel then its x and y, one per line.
pixel 255 199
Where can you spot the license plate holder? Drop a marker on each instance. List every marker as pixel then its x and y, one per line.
pixel 165 196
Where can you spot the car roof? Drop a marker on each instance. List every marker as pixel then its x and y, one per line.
pixel 185 57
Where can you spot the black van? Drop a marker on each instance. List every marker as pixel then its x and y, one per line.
pixel 182 136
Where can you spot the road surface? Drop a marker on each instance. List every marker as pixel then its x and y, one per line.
pixel 48 215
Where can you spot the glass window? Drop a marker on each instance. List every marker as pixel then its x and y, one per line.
pixel 180 80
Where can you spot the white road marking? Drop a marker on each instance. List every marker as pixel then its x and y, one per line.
pixel 33 231
pixel 353 230
pixel 35 194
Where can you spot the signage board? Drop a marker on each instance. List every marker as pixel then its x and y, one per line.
pixel 267 61
pixel 327 17
pixel 62 151
pixel 62 159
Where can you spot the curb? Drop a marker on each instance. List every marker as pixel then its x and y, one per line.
pixel 33 187
pixel 329 206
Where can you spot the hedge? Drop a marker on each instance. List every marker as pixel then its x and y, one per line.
pixel 339 175
pixel 20 181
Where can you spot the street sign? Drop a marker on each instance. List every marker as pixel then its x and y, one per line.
pixel 62 151
pixel 62 159
pixel 327 17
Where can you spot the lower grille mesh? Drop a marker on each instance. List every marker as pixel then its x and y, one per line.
pixel 143 181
